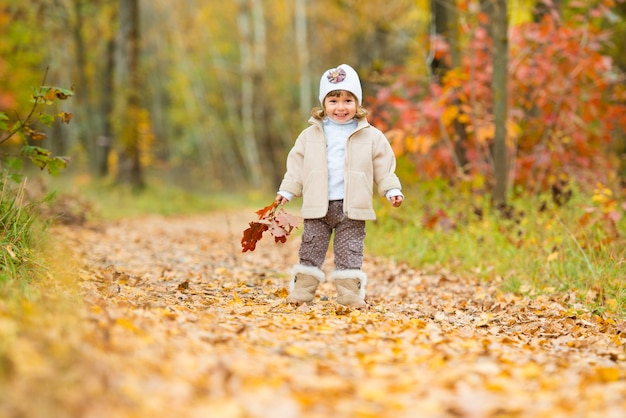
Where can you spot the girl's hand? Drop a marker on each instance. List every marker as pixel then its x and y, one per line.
pixel 281 200
pixel 397 200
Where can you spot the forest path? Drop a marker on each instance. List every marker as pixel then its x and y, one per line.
pixel 178 322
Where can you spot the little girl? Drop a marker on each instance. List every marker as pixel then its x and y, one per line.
pixel 333 165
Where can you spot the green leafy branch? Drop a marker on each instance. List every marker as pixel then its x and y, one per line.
pixel 25 128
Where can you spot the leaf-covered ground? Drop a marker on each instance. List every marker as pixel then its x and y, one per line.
pixel 176 321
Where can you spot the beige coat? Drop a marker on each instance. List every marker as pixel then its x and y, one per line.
pixel 369 160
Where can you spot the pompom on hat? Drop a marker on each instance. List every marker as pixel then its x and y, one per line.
pixel 343 77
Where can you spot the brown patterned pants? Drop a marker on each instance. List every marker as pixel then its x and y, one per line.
pixel 347 244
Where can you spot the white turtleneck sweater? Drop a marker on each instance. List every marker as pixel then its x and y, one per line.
pixel 336 138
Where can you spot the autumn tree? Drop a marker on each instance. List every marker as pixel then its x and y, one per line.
pixel 566 109
pixel 64 37
pixel 76 18
pixel 500 102
pixel 444 55
pixel 616 48
pixel 302 50
pixel 105 137
pixel 127 103
pixel 252 52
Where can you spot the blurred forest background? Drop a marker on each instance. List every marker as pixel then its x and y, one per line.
pixel 212 94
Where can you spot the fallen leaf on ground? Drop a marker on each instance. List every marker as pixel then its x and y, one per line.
pixel 173 320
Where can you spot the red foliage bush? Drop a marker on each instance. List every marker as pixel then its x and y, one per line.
pixel 567 101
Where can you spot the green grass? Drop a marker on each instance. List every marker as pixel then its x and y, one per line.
pixel 107 200
pixel 537 248
pixel 18 234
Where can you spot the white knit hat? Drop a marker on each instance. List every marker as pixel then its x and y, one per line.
pixel 341 78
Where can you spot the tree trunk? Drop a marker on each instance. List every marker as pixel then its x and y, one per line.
pixel 618 38
pixel 250 148
pixel 129 169
pixel 105 140
pixel 87 125
pixel 499 87
pixel 444 25
pixel 302 50
pixel 263 111
pixel 233 154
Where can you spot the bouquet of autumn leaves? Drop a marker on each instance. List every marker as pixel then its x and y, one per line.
pixel 273 219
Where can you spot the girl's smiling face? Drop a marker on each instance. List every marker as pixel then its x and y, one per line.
pixel 340 107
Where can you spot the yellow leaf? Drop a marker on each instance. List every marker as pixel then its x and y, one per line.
pixel 419 144
pixel 27 306
pixel 296 351
pixel 553 256
pixel 496 385
pixel 325 329
pixel 281 293
pixel 531 370
pixel 608 374
pixel 485 319
pixel 50 94
pixel 396 138
pixel 464 118
pixel 373 390
pixel 127 324
pixel 513 130
pixel 449 115
pixel 227 408
pixel 436 362
pixel 354 317
pixel 65 117
pixel 485 133
pixel 418 323
pixel 611 303
pixel 236 299
pixel 411 144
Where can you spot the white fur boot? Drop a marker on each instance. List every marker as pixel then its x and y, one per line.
pixel 303 283
pixel 350 285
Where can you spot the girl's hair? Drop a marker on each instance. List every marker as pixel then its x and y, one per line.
pixel 319 113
